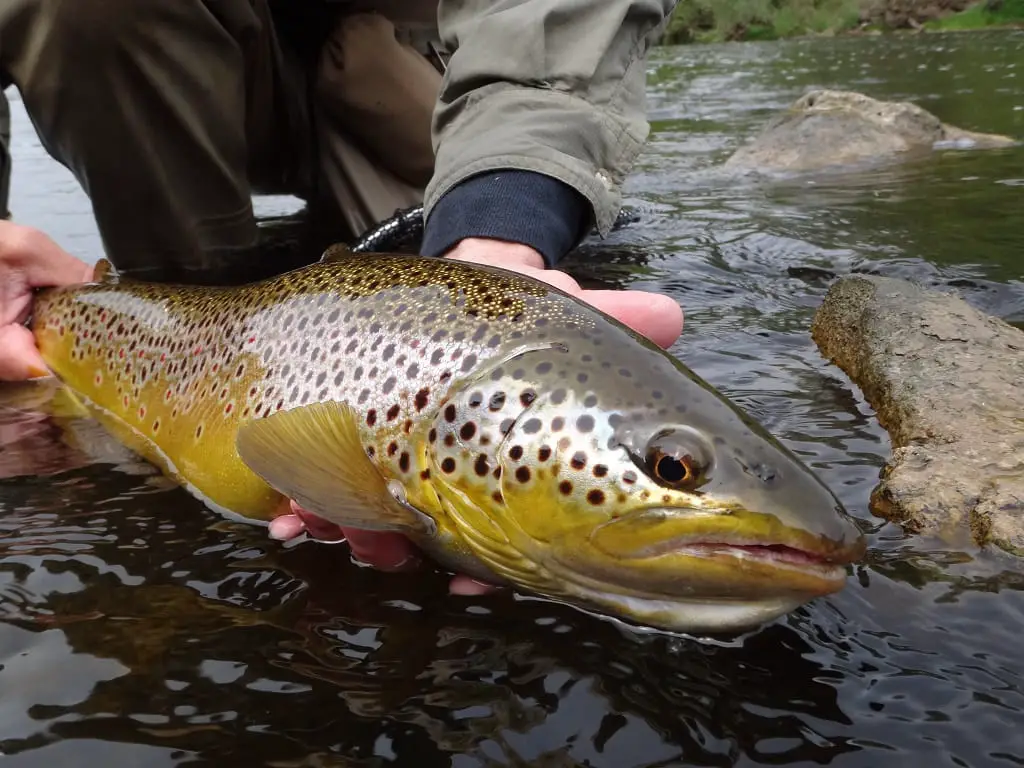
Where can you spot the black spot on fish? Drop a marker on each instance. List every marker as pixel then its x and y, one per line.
pixel 497 401
pixel 600 470
pixel 565 487
pixel 480 465
pixel 515 452
pixel 523 474
pixel 392 448
pixel 595 496
pixel 421 399
pixel 527 396
pixel 531 426
pixel 371 417
pixel 393 412
pixel 629 477
pixel 544 453
pixel 449 413
pixel 579 460
pixel 448 465
pixel 467 431
pixel 403 461
pixel 585 423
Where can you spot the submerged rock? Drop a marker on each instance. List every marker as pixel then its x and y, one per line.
pixel 947 383
pixel 833 128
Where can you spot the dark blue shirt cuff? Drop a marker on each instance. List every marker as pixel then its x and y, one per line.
pixel 517 206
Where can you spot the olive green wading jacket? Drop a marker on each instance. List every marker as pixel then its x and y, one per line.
pixel 551 86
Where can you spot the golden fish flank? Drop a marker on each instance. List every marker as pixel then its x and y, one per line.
pixel 511 431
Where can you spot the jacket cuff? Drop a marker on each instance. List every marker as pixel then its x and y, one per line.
pixel 513 205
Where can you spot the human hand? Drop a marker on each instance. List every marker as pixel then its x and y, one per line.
pixel 28 260
pixel 653 315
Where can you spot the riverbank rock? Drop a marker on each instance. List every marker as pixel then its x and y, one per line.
pixel 947 383
pixel 833 128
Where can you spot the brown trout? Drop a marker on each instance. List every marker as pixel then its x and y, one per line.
pixel 511 431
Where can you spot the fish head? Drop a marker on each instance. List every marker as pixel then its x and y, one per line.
pixel 615 477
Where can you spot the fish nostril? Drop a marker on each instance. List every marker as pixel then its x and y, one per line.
pixel 766 473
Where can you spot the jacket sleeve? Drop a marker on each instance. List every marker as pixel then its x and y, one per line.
pixel 555 87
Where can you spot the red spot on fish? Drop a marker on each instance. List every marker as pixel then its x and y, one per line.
pixel 98 378
pixel 197 351
pixel 414 343
pixel 120 353
pixel 252 339
pixel 163 356
pixel 142 354
pixel 125 401
pixel 227 408
pixel 142 412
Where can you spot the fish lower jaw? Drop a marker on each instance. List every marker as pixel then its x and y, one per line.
pixel 690 616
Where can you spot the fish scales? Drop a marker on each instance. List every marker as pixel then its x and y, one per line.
pixel 520 421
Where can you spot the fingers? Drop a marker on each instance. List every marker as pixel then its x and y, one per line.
pixel 384 551
pixel 38 259
pixel 653 315
pixel 463 585
pixel 20 359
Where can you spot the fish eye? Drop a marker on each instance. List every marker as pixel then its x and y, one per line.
pixel 678 460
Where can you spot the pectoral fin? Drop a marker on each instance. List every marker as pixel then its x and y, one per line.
pixel 336 252
pixel 314 455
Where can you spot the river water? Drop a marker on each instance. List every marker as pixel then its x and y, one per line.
pixel 136 628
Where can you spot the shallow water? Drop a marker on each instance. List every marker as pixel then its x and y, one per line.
pixel 138 628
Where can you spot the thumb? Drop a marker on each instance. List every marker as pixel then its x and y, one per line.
pixel 37 259
pixel 21 359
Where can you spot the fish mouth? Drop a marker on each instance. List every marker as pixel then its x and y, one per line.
pixel 704 556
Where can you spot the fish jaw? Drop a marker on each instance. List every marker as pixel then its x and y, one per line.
pixel 700 570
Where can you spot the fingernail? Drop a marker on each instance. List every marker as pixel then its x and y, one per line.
pixel 35 372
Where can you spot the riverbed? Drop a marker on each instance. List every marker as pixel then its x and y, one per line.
pixel 138 628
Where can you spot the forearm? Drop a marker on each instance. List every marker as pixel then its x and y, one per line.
pixel 553 87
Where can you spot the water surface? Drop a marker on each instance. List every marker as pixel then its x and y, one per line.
pixel 136 628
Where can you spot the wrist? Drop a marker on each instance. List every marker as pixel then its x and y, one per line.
pixel 500 253
pixel 514 207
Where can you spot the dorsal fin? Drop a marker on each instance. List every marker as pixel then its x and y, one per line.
pixel 104 273
pixel 336 252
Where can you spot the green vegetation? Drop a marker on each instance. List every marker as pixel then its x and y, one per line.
pixel 991 13
pixel 712 21
pixel 705 21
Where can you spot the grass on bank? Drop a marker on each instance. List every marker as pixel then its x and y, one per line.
pixel 989 13
pixel 708 21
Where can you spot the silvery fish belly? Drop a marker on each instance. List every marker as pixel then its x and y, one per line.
pixel 511 431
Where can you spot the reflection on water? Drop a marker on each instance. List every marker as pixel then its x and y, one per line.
pixel 138 628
